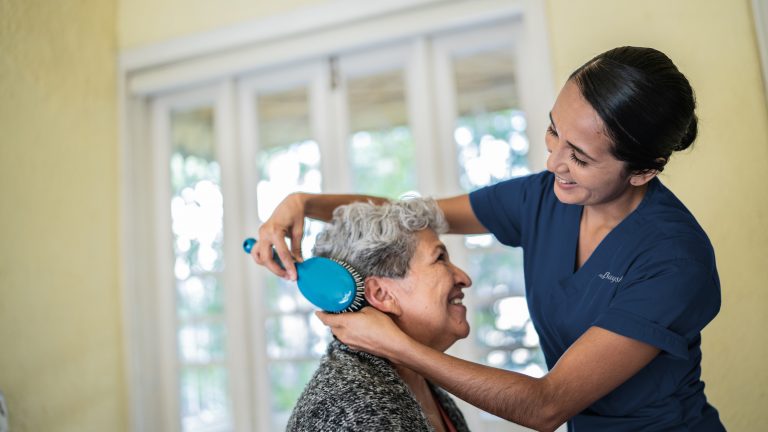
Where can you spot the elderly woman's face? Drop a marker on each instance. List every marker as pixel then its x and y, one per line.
pixel 430 295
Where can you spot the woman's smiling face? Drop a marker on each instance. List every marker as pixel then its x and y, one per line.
pixel 430 295
pixel 586 172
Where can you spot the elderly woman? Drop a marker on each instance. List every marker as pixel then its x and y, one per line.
pixel 409 276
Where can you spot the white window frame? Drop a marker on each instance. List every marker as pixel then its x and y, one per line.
pixel 161 72
pixel 314 75
pixel 220 99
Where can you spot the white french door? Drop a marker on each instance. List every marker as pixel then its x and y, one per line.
pixel 438 113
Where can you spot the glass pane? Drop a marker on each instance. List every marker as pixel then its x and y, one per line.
pixel 204 401
pixel 380 143
pixel 202 343
pixel 197 216
pixel 491 129
pixel 492 145
pixel 291 336
pixel 288 380
pixel 287 336
pixel 289 158
pixel 199 296
pixel 284 296
pixel 497 271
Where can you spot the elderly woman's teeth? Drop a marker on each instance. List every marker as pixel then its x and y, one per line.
pixel 456 301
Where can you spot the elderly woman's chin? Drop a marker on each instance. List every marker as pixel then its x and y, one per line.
pixel 448 336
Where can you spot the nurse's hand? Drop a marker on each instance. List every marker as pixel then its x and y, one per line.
pixel 286 221
pixel 368 330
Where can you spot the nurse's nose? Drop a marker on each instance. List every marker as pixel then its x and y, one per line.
pixel 557 158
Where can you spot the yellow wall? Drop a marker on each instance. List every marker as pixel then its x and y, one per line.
pixel 722 180
pixel 61 365
pixel 60 355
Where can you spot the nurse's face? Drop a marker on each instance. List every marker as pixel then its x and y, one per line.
pixel 430 295
pixel 586 173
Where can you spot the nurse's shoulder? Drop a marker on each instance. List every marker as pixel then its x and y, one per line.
pixel 668 225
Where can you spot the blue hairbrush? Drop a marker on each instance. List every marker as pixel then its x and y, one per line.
pixel 332 285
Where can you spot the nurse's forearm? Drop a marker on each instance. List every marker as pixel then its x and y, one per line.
pixel 597 363
pixel 531 402
pixel 457 210
pixel 321 206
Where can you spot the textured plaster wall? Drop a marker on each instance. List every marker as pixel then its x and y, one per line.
pixel 61 365
pixel 722 180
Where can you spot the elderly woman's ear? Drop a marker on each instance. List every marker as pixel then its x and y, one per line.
pixel 380 294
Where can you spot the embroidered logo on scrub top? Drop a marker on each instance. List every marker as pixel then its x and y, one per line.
pixel 608 276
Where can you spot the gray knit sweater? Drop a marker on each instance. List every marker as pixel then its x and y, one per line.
pixel 356 391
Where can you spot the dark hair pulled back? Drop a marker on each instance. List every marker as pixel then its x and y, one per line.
pixel 645 102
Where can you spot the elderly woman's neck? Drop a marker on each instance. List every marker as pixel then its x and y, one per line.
pixel 410 377
pixel 423 395
pixel 418 386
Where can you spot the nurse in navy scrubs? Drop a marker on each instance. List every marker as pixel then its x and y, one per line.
pixel 620 278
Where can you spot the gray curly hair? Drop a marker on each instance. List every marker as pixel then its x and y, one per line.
pixel 379 240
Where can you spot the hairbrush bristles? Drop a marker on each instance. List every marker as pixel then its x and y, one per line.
pixel 359 301
pixel 330 284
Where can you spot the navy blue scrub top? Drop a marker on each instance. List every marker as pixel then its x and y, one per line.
pixel 652 278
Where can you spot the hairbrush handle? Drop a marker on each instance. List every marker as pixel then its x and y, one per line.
pixel 331 285
pixel 250 242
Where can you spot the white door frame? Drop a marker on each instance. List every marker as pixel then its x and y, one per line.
pixel 217 60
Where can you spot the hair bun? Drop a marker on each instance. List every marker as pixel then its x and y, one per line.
pixel 646 104
pixel 690 134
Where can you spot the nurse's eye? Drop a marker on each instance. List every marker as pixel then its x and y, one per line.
pixel 551 131
pixel 578 161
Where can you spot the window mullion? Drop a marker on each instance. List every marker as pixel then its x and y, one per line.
pixel 445 112
pixel 237 359
pixel 167 325
pixel 330 114
pixel 258 382
pixel 420 97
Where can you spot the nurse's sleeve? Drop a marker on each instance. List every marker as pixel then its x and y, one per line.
pixel 666 304
pixel 501 208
